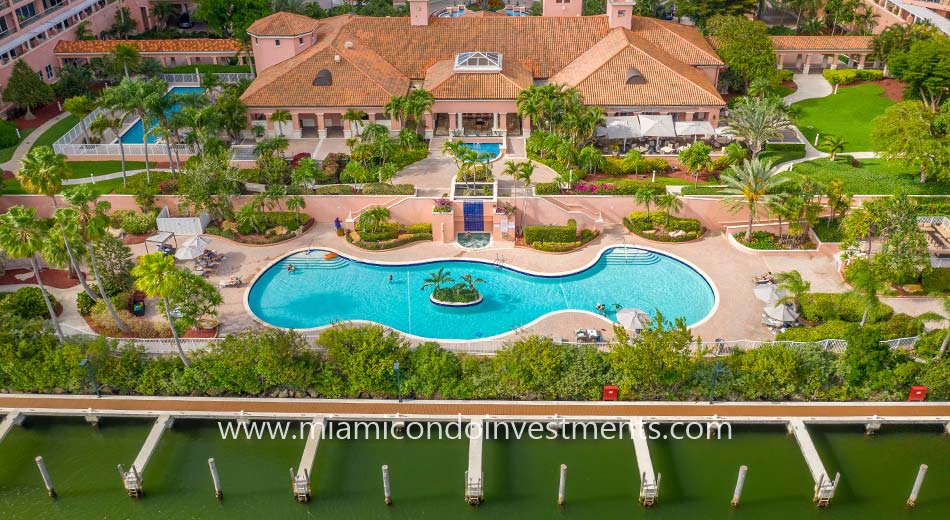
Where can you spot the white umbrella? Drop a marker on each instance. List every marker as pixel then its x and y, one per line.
pixel 633 319
pixel 694 128
pixel 192 248
pixel 781 312
pixel 769 293
pixel 657 125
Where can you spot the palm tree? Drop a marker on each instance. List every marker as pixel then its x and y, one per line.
pixel 355 118
pixel 793 283
pixel 157 276
pixel 436 280
pixel 93 223
pixel 112 99
pixel 591 159
pixel 42 171
pixel 248 216
pixel 209 82
pixel 395 108
pixel 669 203
pixel 531 104
pixel 756 120
pixel 126 57
pixel 163 11
pixel 779 207
pixel 373 217
pixel 470 281
pixel 80 106
pixel 749 184
pixel 645 196
pixel 295 203
pixel 866 286
pixel 132 96
pixel 418 102
pixel 760 87
pixel 834 144
pixel 280 117
pixel 22 236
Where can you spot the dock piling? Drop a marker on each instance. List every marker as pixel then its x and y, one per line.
pixel 562 485
pixel 387 493
pixel 740 482
pixel 918 482
pixel 47 481
pixel 215 479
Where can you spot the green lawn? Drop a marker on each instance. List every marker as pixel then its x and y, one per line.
pixel 847 113
pixel 781 155
pixel 874 177
pixel 56 131
pixel 7 153
pixel 84 169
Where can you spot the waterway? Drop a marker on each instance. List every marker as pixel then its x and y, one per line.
pixel 521 476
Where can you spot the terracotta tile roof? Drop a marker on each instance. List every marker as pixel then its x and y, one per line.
pixel 601 73
pixel 444 83
pixel 829 43
pixel 283 24
pixel 385 53
pixel 146 46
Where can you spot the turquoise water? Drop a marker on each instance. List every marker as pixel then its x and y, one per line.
pixel 134 133
pixel 492 148
pixel 321 292
pixel 460 12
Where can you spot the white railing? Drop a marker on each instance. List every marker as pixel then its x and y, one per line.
pixel 155 150
pixel 224 77
pixel 933 220
pixel 73 134
pixel 902 342
pixel 725 348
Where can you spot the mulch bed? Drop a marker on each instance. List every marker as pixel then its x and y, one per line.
pixel 7 175
pixel 190 333
pixel 131 240
pixel 57 278
pixel 42 115
pixel 893 89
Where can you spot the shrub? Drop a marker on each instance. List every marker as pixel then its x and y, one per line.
pixel 355 172
pixel 389 244
pixel 419 228
pixel 781 76
pixel 555 247
pixel 84 302
pixel 846 76
pixel 333 164
pixel 8 135
pixel 534 234
pixel 336 189
pixel 27 303
pixel 835 329
pixel 380 188
pixel 638 222
pixel 936 280
pixel 819 307
pixel 138 223
pixel 288 219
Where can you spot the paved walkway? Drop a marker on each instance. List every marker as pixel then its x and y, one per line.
pixel 205 406
pixel 809 86
pixel 14 163
pixel 104 177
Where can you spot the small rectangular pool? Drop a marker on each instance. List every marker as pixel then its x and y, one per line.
pixel 492 148
pixel 134 134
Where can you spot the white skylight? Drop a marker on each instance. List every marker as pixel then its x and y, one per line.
pixel 478 62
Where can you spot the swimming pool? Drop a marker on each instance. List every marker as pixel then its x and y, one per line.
pixel 492 148
pixel 134 134
pixel 321 292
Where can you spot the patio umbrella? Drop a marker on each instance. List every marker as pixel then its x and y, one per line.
pixel 769 293
pixel 657 125
pixel 633 319
pixel 694 128
pixel 781 312
pixel 193 248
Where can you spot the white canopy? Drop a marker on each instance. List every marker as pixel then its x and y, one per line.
pixel 769 293
pixel 781 312
pixel 694 128
pixel 657 125
pixel 192 248
pixel 623 127
pixel 633 319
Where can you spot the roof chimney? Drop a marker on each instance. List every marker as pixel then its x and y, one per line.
pixel 336 58
pixel 620 13
pixel 348 45
pixel 419 12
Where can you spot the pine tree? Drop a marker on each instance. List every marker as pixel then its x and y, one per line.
pixel 26 90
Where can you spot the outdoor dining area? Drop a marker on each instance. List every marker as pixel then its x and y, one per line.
pixel 206 260
pixel 778 313
pixel 657 134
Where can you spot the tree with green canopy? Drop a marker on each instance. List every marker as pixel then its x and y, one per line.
pixel 26 90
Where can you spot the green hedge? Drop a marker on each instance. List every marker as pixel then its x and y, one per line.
pixel 133 222
pixel 639 221
pixel 936 280
pixel 389 244
pixel 419 228
pixel 8 134
pixel 846 76
pixel 566 233
pixel 819 307
pixel 27 303
pixel 585 236
pixel 897 326
pixel 378 188
pixel 204 69
pixel 623 187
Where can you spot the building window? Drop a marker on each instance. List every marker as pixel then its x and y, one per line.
pixel 478 62
pixel 323 78
pixel 49 72
pixel 26 12
pixel 276 43
pixel 3 25
pixel 300 40
pixel 256 41
pixel 621 13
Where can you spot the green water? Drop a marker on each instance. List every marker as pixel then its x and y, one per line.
pixel 428 475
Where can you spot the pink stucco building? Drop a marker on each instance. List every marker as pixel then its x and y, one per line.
pixel 475 66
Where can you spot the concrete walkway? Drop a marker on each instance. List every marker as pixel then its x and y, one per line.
pixel 809 86
pixel 103 177
pixel 14 163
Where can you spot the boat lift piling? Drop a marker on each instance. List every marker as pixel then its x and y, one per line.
pixel 387 492
pixel 740 483
pixel 562 486
pixel 215 479
pixel 47 481
pixel 12 419
pixel 132 479
pixel 918 482
pixel 824 486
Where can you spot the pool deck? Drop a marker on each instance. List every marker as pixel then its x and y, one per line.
pixel 737 317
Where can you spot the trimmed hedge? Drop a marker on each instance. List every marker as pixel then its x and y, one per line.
pixel 936 280
pixel 585 236
pixel 898 326
pixel 133 222
pixel 206 68
pixel 625 187
pixel 846 76
pixel 820 307
pixel 27 303
pixel 638 222
pixel 8 135
pixel 566 233
pixel 379 188
pixel 389 244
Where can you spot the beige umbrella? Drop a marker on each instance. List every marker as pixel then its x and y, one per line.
pixel 633 319
pixel 781 312
pixel 193 248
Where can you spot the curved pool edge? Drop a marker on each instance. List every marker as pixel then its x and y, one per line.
pixel 596 258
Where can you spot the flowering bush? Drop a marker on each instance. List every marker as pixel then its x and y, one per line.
pixel 590 187
pixel 442 206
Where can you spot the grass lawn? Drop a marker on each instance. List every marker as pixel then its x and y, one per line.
pixel 7 153
pixel 779 156
pixel 874 177
pixel 828 231
pixel 56 131
pixel 84 169
pixel 847 114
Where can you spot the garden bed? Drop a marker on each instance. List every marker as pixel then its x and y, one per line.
pixel 660 228
pixel 766 241
pixel 454 297
pixel 56 278
pixel 390 236
pixel 280 227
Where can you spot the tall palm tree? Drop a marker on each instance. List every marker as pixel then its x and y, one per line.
pixel 295 203
pixel 93 222
pixel 793 283
pixel 158 105
pixel 126 57
pixel 113 100
pixel 42 171
pixel 280 117
pixel 373 217
pixel 866 284
pixel 669 203
pixel 22 236
pixel 591 159
pixel 834 144
pixel 750 183
pixel 418 102
pixel 355 118
pixel 530 104
pixel 645 196
pixel 132 96
pixel 756 120
pixel 80 106
pixel 157 276
pixel 395 108
pixel 435 280
pixel 209 82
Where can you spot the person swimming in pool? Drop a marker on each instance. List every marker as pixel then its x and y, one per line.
pixel 291 268
pixel 390 278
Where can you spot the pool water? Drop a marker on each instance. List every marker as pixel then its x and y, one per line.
pixel 493 148
pixel 322 292
pixel 474 240
pixel 134 134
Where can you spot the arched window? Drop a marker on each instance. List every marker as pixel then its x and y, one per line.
pixel 323 79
